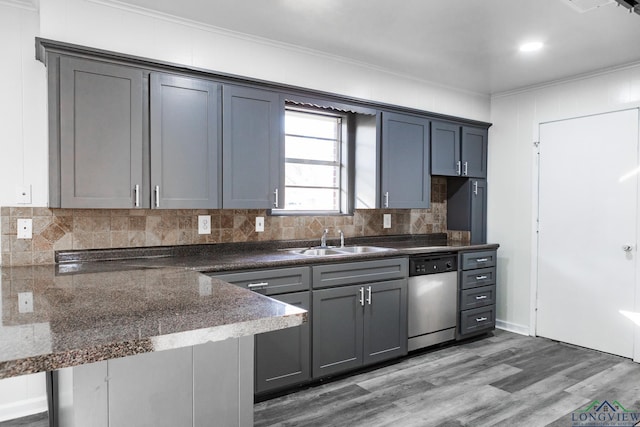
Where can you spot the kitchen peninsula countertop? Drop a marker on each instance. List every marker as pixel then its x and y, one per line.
pixel 102 304
pixel 52 321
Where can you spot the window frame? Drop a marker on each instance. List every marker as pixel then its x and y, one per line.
pixel 346 161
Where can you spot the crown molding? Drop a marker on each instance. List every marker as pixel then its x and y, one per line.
pixel 31 5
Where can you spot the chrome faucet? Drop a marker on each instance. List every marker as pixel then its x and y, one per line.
pixel 323 239
pixel 341 238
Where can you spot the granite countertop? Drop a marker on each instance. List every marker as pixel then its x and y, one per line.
pixel 82 318
pixel 102 304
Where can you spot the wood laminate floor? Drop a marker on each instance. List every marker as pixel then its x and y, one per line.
pixel 502 380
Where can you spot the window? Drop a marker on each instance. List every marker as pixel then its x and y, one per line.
pixel 315 161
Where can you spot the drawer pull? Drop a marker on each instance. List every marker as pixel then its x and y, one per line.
pixel 481 277
pixel 480 319
pixel 482 259
pixel 481 297
pixel 255 286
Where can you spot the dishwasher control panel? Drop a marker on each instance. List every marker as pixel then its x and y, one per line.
pixel 422 265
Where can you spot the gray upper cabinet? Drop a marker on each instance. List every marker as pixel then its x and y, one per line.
pixel 474 152
pixel 252 148
pixel 186 156
pixel 98 161
pixel 458 150
pixel 406 179
pixel 445 149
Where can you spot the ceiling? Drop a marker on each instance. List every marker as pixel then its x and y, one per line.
pixel 470 44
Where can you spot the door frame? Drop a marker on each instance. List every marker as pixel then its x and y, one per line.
pixel 535 204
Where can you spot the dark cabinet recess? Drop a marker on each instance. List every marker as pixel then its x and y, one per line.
pixel 467 207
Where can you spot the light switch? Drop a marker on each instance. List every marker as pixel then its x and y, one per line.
pixel 25 228
pixel 259 224
pixel 386 221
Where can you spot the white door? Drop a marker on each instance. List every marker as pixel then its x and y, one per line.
pixel 588 187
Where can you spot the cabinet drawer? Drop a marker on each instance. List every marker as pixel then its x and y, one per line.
pixel 325 276
pixel 479 277
pixel 270 282
pixel 477 297
pixel 478 319
pixel 480 259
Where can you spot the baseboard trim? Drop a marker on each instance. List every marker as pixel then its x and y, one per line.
pixel 512 327
pixel 23 408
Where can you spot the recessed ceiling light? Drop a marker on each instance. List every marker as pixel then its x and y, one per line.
pixel 531 46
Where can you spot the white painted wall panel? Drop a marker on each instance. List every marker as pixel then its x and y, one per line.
pixel 512 174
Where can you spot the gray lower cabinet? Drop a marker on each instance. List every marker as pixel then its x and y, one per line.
pixel 477 292
pixel 467 207
pixel 283 357
pixel 96 159
pixel 253 139
pixel 186 154
pixel 406 178
pixel 458 150
pixel 355 325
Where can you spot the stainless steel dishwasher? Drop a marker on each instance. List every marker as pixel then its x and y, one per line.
pixel 433 288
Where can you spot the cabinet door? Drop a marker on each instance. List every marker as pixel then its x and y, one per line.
pixel 252 147
pixel 385 321
pixel 101 116
pixel 474 152
pixel 283 357
pixel 406 181
pixel 478 211
pixel 445 149
pixel 337 330
pixel 185 143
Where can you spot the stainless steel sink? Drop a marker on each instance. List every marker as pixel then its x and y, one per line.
pixel 345 250
pixel 363 249
pixel 316 251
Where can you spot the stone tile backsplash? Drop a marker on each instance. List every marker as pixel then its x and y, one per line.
pixel 64 229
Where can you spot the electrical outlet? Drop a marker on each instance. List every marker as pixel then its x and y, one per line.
pixel 386 220
pixel 259 224
pixel 23 194
pixel 204 224
pixel 25 302
pixel 25 228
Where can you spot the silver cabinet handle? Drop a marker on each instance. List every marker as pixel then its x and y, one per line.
pixel 256 286
pixel 369 295
pixel 482 259
pixel 458 167
pixel 475 188
pixel 481 277
pixel 627 248
pixel 362 297
pixel 466 169
pixel 386 199
pixel 157 191
pixel 136 192
pixel 275 198
pixel 481 297
pixel 480 319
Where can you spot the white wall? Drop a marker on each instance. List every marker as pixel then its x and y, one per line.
pixel 515 118
pixel 23 158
